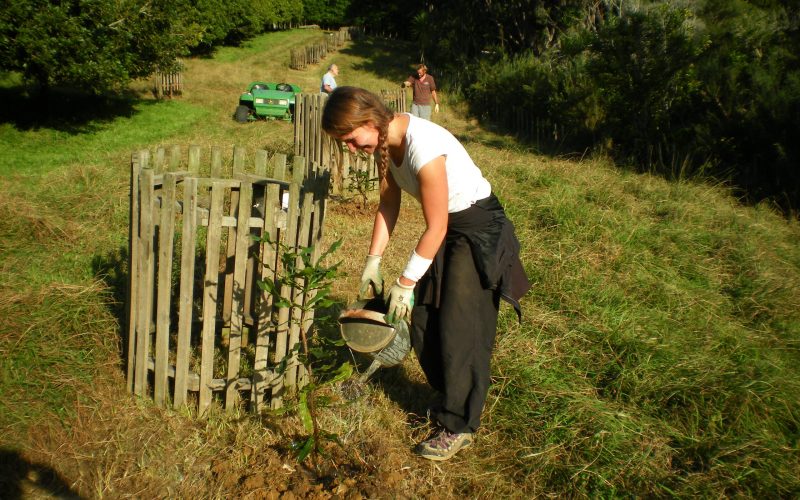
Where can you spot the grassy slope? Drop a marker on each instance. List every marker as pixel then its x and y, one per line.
pixel 658 351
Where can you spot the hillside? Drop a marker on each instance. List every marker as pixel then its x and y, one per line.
pixel 657 356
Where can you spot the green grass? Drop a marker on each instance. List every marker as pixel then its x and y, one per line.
pixel 278 44
pixel 35 152
pixel 63 205
pixel 659 352
pixel 677 345
pixel 51 348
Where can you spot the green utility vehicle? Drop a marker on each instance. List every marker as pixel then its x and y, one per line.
pixel 267 100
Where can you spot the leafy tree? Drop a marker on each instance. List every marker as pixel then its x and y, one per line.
pixel 94 45
pixel 325 12
pixel 704 86
pixel 505 27
pixel 284 12
pixel 752 84
pixel 644 67
pixel 389 18
pixel 230 22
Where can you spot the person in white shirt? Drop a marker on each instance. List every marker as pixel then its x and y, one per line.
pixel 329 79
pixel 464 262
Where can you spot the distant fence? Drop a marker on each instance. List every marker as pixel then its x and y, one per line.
pixel 395 100
pixel 526 125
pixel 198 323
pixel 312 54
pixel 167 84
pixel 311 142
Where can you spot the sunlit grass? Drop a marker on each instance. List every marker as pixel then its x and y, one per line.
pixel 275 45
pixel 34 152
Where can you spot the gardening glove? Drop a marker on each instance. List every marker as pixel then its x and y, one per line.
pixel 400 302
pixel 371 278
pixel 436 108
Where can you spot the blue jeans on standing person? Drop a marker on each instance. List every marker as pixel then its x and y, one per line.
pixel 421 111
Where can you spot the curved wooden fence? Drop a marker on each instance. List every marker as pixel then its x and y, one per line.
pixel 300 58
pixel 199 327
pixel 167 84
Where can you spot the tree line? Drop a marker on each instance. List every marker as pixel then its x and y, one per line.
pixel 101 45
pixel 681 87
pixel 686 88
pixel 707 88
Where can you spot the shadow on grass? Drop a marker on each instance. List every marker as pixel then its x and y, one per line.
pixel 411 396
pixel 380 58
pixel 20 478
pixel 112 269
pixel 63 109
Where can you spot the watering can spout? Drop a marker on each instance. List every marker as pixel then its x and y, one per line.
pixel 364 328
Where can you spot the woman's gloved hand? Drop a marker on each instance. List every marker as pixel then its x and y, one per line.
pixel 371 278
pixel 400 302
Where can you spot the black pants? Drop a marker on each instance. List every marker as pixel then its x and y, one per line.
pixel 454 341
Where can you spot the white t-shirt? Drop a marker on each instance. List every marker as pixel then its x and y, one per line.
pixel 327 79
pixel 426 141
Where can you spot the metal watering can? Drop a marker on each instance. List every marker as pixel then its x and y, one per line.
pixel 364 328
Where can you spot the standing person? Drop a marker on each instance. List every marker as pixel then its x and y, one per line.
pixel 424 90
pixel 329 79
pixel 464 262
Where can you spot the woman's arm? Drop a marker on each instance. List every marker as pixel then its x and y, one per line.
pixel 432 179
pixel 386 216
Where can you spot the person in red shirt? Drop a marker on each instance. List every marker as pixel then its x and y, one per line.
pixel 424 87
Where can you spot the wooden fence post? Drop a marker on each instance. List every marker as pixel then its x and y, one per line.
pixel 133 269
pixel 164 287
pixel 188 249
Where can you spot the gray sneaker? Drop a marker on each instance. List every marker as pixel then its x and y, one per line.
pixel 443 445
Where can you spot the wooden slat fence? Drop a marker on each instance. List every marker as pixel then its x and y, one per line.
pixel 297 59
pixel 310 54
pixel 168 84
pixel 300 58
pixel 395 100
pixel 527 125
pixel 199 327
pixel 337 38
pixel 311 142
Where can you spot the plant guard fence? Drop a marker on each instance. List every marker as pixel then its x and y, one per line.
pixel 199 326
pixel 167 84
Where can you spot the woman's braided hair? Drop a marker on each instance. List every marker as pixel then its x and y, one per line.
pixel 348 108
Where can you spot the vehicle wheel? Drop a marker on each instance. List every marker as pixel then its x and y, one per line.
pixel 283 87
pixel 242 112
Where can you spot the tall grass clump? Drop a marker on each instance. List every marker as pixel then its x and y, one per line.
pixel 53 346
pixel 662 354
